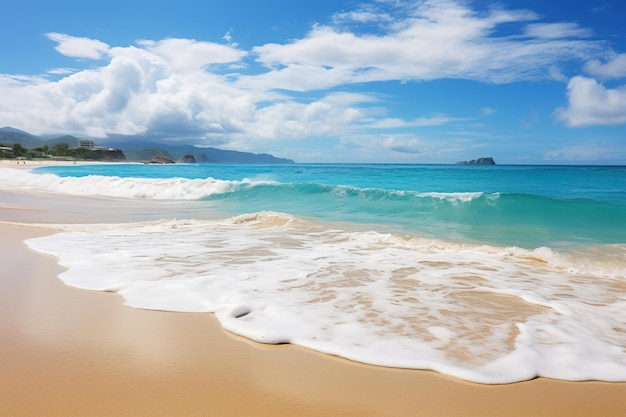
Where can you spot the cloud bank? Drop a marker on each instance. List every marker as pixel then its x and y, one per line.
pixel 216 93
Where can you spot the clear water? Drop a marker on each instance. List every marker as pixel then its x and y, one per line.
pixel 526 206
pixel 492 274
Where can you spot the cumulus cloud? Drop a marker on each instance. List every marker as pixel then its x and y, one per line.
pixel 590 103
pixel 188 88
pixel 290 119
pixel 160 87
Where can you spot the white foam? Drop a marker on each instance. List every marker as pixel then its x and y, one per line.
pixel 480 313
pixel 96 185
pixel 457 197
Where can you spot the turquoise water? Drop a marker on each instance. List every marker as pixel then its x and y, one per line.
pixel 526 206
pixel 492 274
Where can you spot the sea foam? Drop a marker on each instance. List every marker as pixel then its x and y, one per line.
pixel 510 219
pixel 121 187
pixel 481 313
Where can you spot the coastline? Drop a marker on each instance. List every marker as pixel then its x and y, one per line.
pixel 69 352
pixel 31 163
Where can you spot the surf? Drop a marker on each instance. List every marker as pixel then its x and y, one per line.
pixel 481 313
pixel 505 218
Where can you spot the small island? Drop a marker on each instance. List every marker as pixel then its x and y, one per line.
pixel 480 161
pixel 159 159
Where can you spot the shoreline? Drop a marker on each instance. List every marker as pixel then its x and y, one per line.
pixel 31 163
pixel 69 352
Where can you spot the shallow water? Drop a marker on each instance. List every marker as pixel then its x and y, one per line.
pixel 528 206
pixel 492 276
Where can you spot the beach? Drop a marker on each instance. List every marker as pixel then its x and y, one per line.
pixel 68 352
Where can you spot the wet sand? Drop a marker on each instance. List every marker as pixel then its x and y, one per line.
pixel 71 352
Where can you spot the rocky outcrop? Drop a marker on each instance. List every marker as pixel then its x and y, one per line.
pixel 161 160
pixel 110 155
pixel 480 161
pixel 143 151
pixel 187 159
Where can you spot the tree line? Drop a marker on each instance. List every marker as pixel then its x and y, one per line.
pixel 60 150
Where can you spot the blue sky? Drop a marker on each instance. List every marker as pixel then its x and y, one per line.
pixel 430 81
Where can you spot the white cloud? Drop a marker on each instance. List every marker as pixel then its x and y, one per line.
pixel 556 31
pixel 613 68
pixel 364 14
pixel 228 37
pixel 555 73
pixel 590 103
pixel 405 145
pixel 293 120
pixel 348 98
pixel 185 88
pixel 61 71
pixel 437 39
pixel 77 47
pixel 297 77
pixel 18 81
pixel 191 55
pixel 587 151
pixel 158 87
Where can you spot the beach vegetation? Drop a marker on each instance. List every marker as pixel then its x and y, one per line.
pixel 18 150
pixel 60 151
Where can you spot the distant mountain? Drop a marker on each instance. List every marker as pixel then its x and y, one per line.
pixel 144 151
pixel 141 151
pixel 10 136
pixel 14 130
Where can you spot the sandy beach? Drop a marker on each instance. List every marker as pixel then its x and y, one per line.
pixel 71 352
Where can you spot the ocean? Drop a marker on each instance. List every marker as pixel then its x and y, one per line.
pixel 491 274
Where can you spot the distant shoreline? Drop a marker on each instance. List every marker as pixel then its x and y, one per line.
pixel 30 163
pixel 14 163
